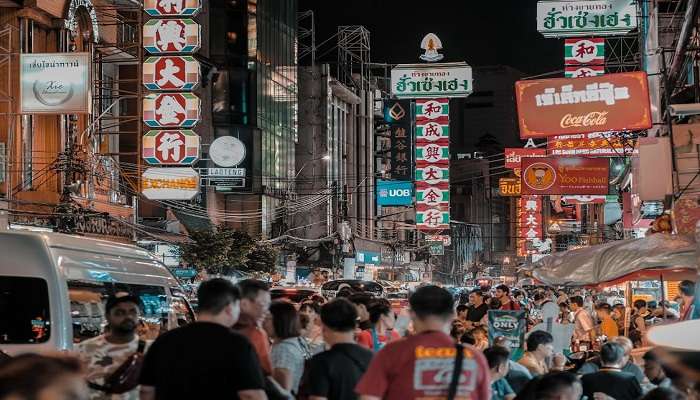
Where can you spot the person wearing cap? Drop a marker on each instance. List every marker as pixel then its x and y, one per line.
pixel 687 289
pixel 104 354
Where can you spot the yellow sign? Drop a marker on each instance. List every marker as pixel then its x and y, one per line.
pixel 509 186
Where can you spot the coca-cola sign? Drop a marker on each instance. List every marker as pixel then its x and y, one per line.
pixel 613 102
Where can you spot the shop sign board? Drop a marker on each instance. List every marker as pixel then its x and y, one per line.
pixel 177 73
pixel 583 71
pixel 394 193
pixel 416 81
pixel 509 187
pixel 227 151
pixel 564 175
pixel 172 8
pixel 398 114
pixel 171 110
pixel 432 131
pixel 436 248
pixel 163 36
pixel 515 154
pixel 585 51
pixel 54 83
pixel 445 239
pixel 432 219
pixel 613 102
pixel 566 18
pixel 529 210
pixel 177 183
pixel 170 147
pixel 433 195
pixel 600 144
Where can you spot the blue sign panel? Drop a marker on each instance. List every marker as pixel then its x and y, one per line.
pixel 394 193
pixel 367 257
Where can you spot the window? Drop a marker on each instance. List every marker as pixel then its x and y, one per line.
pixel 24 310
pixel 87 301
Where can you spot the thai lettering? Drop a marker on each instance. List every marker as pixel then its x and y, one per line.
pixel 594 92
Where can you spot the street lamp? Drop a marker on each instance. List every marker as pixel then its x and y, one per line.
pixel 325 157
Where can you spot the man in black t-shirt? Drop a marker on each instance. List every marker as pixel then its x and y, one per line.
pixel 334 373
pixel 477 308
pixel 610 380
pixel 205 359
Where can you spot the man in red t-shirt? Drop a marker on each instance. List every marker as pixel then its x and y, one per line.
pixel 503 295
pixel 420 366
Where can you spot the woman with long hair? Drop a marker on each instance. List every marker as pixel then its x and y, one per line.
pixel 382 320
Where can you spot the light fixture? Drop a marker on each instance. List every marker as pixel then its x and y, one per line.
pixel 326 157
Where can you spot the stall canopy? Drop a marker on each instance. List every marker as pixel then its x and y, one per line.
pixel 652 257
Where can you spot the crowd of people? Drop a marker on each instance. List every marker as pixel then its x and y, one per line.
pixel 245 346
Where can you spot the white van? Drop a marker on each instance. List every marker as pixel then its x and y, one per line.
pixel 53 288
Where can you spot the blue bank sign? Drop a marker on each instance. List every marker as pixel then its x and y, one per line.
pixel 394 193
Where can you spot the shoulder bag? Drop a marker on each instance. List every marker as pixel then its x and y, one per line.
pixel 456 373
pixel 126 377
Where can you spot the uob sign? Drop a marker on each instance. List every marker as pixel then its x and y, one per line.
pixel 394 193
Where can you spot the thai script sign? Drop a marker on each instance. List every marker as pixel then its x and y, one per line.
pixel 54 83
pixel 171 110
pixel 172 8
pixel 613 102
pixel 509 187
pixel 416 81
pixel 586 18
pixel 171 36
pixel 170 183
pixel 397 114
pixel 515 154
pixel 608 144
pixel 171 73
pixel 565 175
pixel 170 147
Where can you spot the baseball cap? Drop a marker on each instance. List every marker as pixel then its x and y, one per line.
pixel 114 300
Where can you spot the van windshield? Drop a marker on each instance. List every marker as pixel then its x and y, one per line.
pixel 24 310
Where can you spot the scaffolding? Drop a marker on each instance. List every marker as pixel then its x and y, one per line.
pixel 354 56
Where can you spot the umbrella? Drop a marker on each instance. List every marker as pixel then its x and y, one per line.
pixel 660 254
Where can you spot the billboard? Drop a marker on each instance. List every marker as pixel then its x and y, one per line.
pixel 170 183
pixel 561 106
pixel 54 83
pixel 416 81
pixel 599 144
pixel 564 175
pixel 394 193
pixel 586 18
pixel 515 154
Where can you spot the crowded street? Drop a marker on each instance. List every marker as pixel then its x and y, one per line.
pixel 349 200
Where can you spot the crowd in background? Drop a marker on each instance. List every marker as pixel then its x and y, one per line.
pixel 243 345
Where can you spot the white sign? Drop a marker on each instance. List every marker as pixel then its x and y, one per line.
pixel 54 83
pixel 586 18
pixel 431 44
pixel 226 172
pixel 170 183
pixel 227 151
pixel 414 81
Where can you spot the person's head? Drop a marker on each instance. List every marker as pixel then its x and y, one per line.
pixel 653 369
pixel 639 304
pixel 518 295
pixel 283 320
pixel 219 301
pixel 476 297
pixel 362 301
pixel 497 358
pixel 122 314
pixel 603 310
pixel 612 355
pixel 480 334
pixel 310 310
pixel 462 311
pixel 687 288
pixel 457 330
pixel 541 344
pixel 564 306
pixel 39 377
pixel 576 302
pixel 559 386
pixel 539 298
pixel 494 303
pixel 432 307
pixel 561 292
pixel 548 290
pixel 255 298
pixel 502 292
pixel 669 393
pixel 618 310
pixel 338 320
pixel 380 312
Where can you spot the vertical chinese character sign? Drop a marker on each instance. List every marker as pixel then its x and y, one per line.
pixel 173 72
pixel 432 165
pixel 398 114
pixel 529 224
pixel 584 57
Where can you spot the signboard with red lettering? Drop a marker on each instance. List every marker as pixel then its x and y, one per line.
pixel 170 147
pixel 590 144
pixel 564 106
pixel 564 175
pixel 171 110
pixel 172 8
pixel 584 51
pixel 171 73
pixel 162 36
pixel 513 155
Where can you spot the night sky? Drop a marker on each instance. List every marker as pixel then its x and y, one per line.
pixel 478 32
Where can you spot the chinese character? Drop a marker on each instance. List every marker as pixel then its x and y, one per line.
pixel 171 6
pixel 401 145
pixel 432 152
pixel 432 129
pixel 169 110
pixel 400 133
pixel 531 233
pixel 582 50
pixel 168 74
pixel 430 108
pixel 433 217
pixel 432 173
pixel 531 220
pixel 531 205
pixel 401 156
pixel 431 195
pixel 168 142
pixel 171 32
pixel 401 169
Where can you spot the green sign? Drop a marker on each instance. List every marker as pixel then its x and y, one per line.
pixel 437 248
pixel 416 81
pixel 586 18
pixel 184 273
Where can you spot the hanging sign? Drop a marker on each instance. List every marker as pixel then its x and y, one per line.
pixel 54 83
pixel 515 154
pixel 171 110
pixel 586 18
pixel 583 71
pixel 227 151
pixel 170 183
pixel 529 224
pixel 509 187
pixel 172 8
pixel 170 147
pixel 433 194
pixel 416 81
pixel 598 144
pixel 398 115
pixel 565 175
pixel 171 73
pixel 612 102
pixel 432 219
pixel 162 36
pixel 584 51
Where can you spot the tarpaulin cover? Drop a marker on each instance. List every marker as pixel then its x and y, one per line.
pixel 611 261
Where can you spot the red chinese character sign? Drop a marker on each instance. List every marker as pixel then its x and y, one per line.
pixel 171 73
pixel 172 8
pixel 171 110
pixel 171 36
pixel 170 147
pixel 432 165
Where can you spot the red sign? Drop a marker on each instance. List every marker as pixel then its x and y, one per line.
pixel 589 144
pixel 513 155
pixel 529 224
pixel 613 102
pixel 564 175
